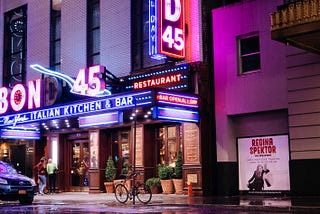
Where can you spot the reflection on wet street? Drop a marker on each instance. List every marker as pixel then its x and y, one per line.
pixel 83 202
pixel 10 207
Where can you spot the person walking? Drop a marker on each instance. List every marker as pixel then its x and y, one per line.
pixel 41 167
pixel 51 171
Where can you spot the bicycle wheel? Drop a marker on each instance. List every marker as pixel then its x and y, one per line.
pixel 121 193
pixel 144 194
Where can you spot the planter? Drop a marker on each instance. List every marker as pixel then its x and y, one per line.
pixel 109 187
pixel 178 185
pixel 167 186
pixel 155 189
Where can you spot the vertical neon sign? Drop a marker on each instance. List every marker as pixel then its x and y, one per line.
pixel 166 29
pixel 153 31
pixel 172 28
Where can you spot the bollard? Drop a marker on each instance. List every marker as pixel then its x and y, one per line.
pixel 190 193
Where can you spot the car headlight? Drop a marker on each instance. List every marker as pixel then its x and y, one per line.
pixel 3 181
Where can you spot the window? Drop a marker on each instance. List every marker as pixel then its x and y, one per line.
pixel 249 54
pixel 140 36
pixel 93 33
pixel 55 36
pixel 15 47
pixel 168 138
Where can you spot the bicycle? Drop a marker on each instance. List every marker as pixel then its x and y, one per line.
pixel 139 189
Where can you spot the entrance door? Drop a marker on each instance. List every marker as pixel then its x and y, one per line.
pixel 79 165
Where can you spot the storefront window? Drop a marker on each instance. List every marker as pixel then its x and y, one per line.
pixel 4 152
pixel 15 46
pixel 94 149
pixel 169 143
pixel 125 146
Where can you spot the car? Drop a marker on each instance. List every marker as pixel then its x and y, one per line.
pixel 15 186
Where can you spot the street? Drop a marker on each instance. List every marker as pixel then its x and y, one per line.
pixel 105 208
pixel 73 202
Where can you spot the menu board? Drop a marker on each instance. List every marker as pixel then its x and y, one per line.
pixel 94 149
pixel 139 152
pixel 191 143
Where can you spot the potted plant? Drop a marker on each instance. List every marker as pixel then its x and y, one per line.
pixel 177 176
pixel 126 168
pixel 154 184
pixel 165 173
pixel 110 175
pixel 125 171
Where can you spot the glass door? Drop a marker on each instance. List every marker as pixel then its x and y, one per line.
pixel 169 143
pixel 79 165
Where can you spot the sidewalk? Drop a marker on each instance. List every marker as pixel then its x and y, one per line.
pixel 258 203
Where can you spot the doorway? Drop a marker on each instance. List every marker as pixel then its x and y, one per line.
pixel 79 164
pixel 168 139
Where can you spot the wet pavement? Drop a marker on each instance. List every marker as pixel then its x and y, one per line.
pixel 269 203
pixel 82 201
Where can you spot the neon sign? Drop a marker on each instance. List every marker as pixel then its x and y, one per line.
pixel 175 114
pixel 20 134
pixel 101 119
pixel 172 30
pixel 154 82
pixel 175 78
pixel 153 31
pixel 119 102
pixel 18 97
pixel 87 83
pixel 166 29
pixel 177 99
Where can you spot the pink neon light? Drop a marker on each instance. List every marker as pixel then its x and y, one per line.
pixel 18 97
pixel 177 99
pixel 34 96
pixel 3 100
pixel 95 83
pixel 155 82
pixel 193 45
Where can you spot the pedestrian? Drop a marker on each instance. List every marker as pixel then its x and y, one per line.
pixel 41 168
pixel 51 171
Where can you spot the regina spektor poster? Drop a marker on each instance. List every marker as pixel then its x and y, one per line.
pixel 264 163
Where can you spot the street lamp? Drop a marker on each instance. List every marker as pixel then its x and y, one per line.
pixel 134 116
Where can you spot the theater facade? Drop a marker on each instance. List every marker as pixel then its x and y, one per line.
pixel 156 113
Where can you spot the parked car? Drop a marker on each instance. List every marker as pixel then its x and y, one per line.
pixel 15 186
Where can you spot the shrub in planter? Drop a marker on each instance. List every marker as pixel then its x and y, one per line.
pixel 126 168
pixel 165 173
pixel 110 175
pixel 154 184
pixel 177 176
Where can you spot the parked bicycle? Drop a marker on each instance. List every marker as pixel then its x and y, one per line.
pixel 139 189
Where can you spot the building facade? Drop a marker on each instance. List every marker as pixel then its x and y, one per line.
pixel 208 79
pixel 266 95
pixel 66 55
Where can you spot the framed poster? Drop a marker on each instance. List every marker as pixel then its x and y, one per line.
pixel 264 163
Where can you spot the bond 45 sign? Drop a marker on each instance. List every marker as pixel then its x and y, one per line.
pixel 166 29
